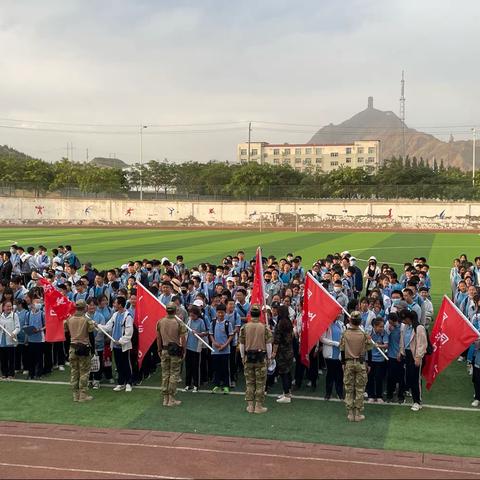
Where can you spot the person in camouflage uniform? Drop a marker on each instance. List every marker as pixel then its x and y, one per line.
pixel 354 344
pixel 256 351
pixel 82 344
pixel 171 349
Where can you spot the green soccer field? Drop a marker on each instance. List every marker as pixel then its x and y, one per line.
pixel 450 426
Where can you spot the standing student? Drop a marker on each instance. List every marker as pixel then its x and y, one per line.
pixel 395 366
pixel 94 315
pixel 413 347
pixel 232 316
pixel 36 340
pixel 221 334
pixel 9 321
pixel 120 327
pixel 21 358
pixel 283 353
pixel 378 368
pixel 194 348
pixel 331 353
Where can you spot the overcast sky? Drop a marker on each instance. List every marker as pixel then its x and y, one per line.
pixel 195 62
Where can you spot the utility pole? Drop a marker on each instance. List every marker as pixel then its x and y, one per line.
pixel 68 151
pixel 402 113
pixel 249 138
pixel 87 155
pixel 141 160
pixel 474 133
pixel 71 149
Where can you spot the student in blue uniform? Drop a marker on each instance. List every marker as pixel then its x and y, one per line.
pixel 36 340
pixel 395 366
pixel 194 348
pixel 221 334
pixel 376 376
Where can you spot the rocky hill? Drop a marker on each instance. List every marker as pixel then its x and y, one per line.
pixel 373 124
pixel 108 162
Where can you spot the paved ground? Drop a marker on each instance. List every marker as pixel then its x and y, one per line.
pixel 58 451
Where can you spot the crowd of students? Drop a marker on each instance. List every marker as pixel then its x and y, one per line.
pixel 214 300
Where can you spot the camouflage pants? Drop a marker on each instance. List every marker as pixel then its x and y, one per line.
pixel 170 372
pixel 354 381
pixel 255 379
pixel 79 371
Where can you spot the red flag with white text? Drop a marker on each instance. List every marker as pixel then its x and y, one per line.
pixel 320 309
pixel 451 335
pixel 258 290
pixel 57 309
pixel 148 311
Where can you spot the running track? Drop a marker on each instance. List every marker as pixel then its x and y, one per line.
pixel 60 451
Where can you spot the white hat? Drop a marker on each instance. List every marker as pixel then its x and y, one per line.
pixel 124 266
pixel 346 252
pixel 372 258
pixel 198 302
pixel 353 258
pixel 164 259
pixel 196 274
pixel 230 279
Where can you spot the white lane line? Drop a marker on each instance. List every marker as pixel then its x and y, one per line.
pixel 84 470
pixel 272 395
pixel 251 454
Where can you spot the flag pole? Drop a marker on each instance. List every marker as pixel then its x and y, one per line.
pixel 178 318
pixel 346 313
pixel 100 329
pixel 6 331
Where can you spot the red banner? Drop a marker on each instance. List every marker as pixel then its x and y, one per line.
pixel 57 309
pixel 258 290
pixel 451 335
pixel 319 311
pixel 148 311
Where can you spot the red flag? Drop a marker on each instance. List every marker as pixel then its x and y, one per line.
pixel 258 290
pixel 148 311
pixel 320 309
pixel 57 309
pixel 451 335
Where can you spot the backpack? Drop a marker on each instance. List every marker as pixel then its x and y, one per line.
pixel 76 262
pixel 227 327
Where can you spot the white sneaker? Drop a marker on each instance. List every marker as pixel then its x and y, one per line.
pixel 61 368
pixel 25 372
pixel 475 403
pixel 194 390
pixel 380 400
pixel 365 395
pixel 119 388
pixel 470 370
pixel 96 385
pixel 460 359
pixel 284 399
pixel 309 383
pixel 280 396
pixel 416 407
pixel 371 400
pixel 186 389
pixel 128 387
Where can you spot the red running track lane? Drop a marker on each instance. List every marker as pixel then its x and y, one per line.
pixel 61 451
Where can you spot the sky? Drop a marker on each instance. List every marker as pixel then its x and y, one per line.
pixel 90 72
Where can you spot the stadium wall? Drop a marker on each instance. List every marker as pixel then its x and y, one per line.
pixel 240 214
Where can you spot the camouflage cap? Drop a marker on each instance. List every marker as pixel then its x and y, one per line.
pixel 81 304
pixel 171 307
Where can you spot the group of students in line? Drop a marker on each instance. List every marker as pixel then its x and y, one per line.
pixel 214 301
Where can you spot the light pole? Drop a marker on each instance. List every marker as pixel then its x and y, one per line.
pixel 141 160
pixel 474 132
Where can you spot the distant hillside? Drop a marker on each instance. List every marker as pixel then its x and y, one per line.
pixel 373 124
pixel 12 154
pixel 109 162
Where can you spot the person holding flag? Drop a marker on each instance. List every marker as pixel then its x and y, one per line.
pixel 354 344
pixel 171 349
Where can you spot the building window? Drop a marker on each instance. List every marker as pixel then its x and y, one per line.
pixel 243 151
pixel 286 151
pixel 334 164
pixel 298 160
pixel 371 149
pixel 371 160
pixel 298 151
pixel 254 151
pixel 360 150
pixel 265 155
pixel 318 160
pixel 360 159
pixel 348 160
pixel 276 151
pixel 308 151
pixel 334 154
pixel 276 161
pixel 307 161
pixel 348 150
pixel 286 161
pixel 318 151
